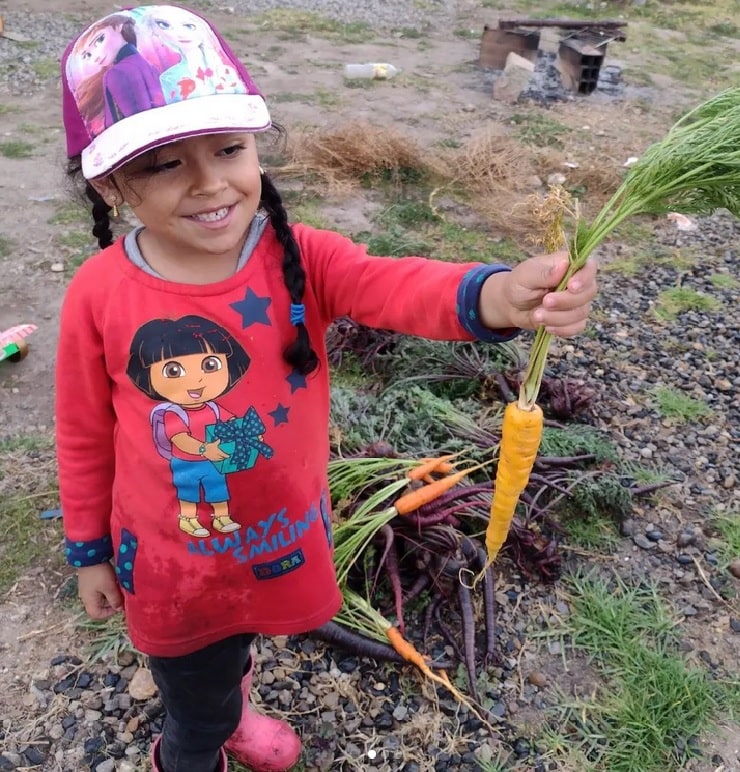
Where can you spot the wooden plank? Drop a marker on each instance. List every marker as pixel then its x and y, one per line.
pixel 614 26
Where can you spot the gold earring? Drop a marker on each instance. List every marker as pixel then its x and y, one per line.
pixel 114 207
pixel 262 171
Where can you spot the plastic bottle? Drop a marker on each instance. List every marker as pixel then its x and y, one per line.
pixel 370 71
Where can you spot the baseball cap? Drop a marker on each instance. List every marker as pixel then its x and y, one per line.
pixel 142 77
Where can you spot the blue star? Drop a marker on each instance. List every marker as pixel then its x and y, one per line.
pixel 279 414
pixel 253 309
pixel 296 381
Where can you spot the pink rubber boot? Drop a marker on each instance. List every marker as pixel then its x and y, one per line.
pixel 156 768
pixel 262 743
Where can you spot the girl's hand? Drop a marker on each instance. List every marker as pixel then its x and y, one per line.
pixel 525 297
pixel 99 591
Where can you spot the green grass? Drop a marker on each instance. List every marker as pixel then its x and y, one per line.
pixel 595 533
pixel 296 25
pixel 77 245
pixel 71 213
pixel 678 406
pixel 16 149
pixel 650 704
pixel 6 246
pixel 27 487
pixel 724 281
pixel 728 527
pixel 677 300
pixel 46 68
pixel 535 129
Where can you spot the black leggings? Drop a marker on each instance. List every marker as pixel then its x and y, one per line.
pixel 202 697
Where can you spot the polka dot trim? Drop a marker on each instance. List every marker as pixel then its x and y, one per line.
pixel 88 553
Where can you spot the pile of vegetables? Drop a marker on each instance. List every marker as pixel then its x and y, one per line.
pixel 420 525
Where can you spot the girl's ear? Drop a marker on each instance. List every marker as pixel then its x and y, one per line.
pixel 107 190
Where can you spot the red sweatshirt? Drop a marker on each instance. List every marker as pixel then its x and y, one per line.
pixel 174 402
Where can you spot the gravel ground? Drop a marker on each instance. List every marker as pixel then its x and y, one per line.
pixel 83 715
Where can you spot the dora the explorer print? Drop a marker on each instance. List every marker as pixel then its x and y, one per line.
pixel 187 365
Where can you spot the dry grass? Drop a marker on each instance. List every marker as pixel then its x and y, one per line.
pixel 493 172
pixel 356 152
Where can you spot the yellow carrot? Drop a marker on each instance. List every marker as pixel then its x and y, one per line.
pixel 520 440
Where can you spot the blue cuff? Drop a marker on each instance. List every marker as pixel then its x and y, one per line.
pixel 468 295
pixel 81 554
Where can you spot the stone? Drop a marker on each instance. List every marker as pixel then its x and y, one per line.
pixel 142 686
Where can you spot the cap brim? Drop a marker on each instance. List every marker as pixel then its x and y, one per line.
pixel 132 136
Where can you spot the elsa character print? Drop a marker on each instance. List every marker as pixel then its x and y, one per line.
pixel 201 68
pixel 189 363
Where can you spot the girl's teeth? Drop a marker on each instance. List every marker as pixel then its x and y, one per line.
pixel 212 216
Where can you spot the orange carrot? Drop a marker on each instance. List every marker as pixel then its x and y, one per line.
pixel 429 465
pixel 407 649
pixel 412 655
pixel 410 502
pixel 521 433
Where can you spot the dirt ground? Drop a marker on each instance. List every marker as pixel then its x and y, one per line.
pixel 440 95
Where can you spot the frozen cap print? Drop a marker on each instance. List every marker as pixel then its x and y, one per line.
pixel 142 77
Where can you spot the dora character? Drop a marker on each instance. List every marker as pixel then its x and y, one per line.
pixel 113 80
pixel 189 362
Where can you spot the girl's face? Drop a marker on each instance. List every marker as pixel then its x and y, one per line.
pixel 196 198
pixel 178 28
pixel 191 380
pixel 101 49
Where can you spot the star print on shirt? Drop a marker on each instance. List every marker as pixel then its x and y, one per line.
pixel 279 415
pixel 253 309
pixel 297 381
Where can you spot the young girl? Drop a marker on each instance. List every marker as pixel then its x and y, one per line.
pixel 205 516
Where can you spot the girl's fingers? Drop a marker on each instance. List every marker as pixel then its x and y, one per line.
pixel 563 323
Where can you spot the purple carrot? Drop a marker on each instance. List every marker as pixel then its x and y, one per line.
pixel 357 644
pixel 390 560
pixel 465 601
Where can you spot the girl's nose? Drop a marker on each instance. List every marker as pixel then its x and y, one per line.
pixel 206 180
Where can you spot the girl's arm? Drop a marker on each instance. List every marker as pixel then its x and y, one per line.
pixel 412 295
pixel 84 427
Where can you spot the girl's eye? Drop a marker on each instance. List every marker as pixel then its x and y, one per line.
pixel 189 27
pixel 99 39
pixel 163 167
pixel 173 370
pixel 232 150
pixel 211 365
pixel 165 25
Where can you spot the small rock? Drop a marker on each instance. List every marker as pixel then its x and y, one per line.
pixel 57 267
pixel 735 568
pixel 628 527
pixel 735 625
pixel 655 535
pixel 142 686
pixel 685 539
pixel 538 679
pixel 108 765
pixel 643 542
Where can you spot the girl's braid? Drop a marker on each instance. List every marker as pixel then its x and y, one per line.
pixel 101 230
pixel 299 354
